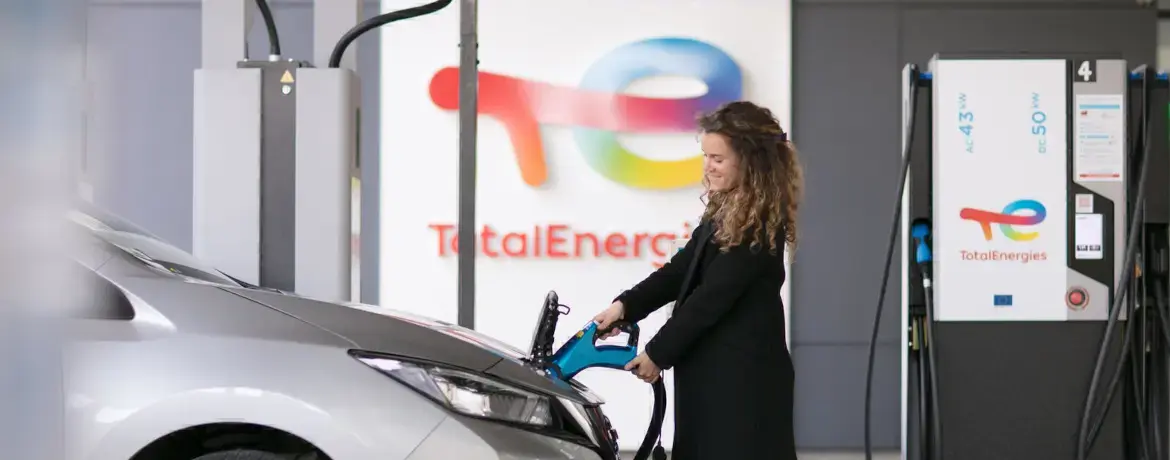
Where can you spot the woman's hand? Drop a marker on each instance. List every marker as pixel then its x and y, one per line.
pixel 607 317
pixel 644 368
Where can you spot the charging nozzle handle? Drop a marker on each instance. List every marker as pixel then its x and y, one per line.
pixel 625 326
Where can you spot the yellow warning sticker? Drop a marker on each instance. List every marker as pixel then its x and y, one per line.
pixel 287 77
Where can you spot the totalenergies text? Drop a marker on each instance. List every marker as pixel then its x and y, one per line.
pixel 995 255
pixel 561 241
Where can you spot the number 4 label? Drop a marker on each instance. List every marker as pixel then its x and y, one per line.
pixel 1086 71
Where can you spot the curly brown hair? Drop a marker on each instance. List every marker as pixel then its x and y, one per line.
pixel 766 199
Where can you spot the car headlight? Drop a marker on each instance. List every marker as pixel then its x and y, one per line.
pixel 468 393
pixel 580 416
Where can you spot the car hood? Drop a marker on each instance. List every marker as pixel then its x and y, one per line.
pixel 394 332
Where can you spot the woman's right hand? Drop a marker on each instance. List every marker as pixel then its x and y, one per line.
pixel 607 317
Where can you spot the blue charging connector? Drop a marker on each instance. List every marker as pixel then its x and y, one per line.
pixel 920 231
pixel 581 351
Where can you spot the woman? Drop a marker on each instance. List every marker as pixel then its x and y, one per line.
pixel 733 377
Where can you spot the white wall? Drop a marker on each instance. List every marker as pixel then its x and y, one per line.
pixel 558 43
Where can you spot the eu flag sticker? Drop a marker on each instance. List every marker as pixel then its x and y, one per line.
pixel 1002 300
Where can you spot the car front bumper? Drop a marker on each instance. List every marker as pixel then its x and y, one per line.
pixel 471 439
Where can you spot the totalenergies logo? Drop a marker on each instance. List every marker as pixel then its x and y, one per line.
pixel 597 110
pixel 1008 219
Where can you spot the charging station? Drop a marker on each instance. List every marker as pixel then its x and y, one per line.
pixel 275 147
pixel 1014 226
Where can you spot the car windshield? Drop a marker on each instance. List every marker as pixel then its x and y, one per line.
pixel 145 246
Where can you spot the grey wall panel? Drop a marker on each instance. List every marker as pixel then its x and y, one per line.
pixel 141 64
pixel 846 106
pixel 846 127
pixel 142 55
pixel 1129 31
pixel 830 393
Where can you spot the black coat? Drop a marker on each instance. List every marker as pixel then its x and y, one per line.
pixel 733 376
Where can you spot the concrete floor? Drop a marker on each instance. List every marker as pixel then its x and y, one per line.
pixel 829 455
pixel 847 456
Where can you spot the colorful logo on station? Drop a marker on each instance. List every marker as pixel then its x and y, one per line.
pixel 1008 219
pixel 598 111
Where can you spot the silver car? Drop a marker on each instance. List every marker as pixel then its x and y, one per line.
pixel 178 361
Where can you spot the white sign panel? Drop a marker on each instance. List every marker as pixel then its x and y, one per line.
pixel 1089 234
pixel 1099 151
pixel 1000 190
pixel 588 162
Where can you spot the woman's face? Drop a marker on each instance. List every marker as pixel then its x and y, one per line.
pixel 720 162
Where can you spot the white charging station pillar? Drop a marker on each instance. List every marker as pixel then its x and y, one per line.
pixel 328 121
pixel 326 159
pixel 1020 169
pixel 227 142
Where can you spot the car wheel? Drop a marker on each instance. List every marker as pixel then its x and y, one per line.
pixel 243 454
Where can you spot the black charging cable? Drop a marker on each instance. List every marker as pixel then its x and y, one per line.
pixel 920 232
pixel 1158 362
pixel 1084 444
pixel 651 447
pixel 270 26
pixel 379 21
pixel 908 138
pixel 1127 344
pixel 1114 382
pixel 1136 338
pixel 1154 311
pixel 1163 309
pixel 923 395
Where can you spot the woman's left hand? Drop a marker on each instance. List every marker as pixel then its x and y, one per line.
pixel 644 368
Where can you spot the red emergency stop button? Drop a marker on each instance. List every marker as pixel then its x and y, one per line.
pixel 1077 298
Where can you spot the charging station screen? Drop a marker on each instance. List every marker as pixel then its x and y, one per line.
pixel 1000 190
